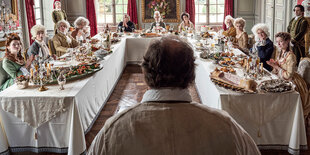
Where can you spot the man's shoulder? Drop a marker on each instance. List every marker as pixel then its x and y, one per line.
pixel 196 108
pixel 57 36
pixel 213 112
pixel 304 20
pixel 33 48
pixel 34 45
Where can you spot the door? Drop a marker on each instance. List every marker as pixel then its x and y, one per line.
pixel 280 11
pixel 276 16
pixel 269 17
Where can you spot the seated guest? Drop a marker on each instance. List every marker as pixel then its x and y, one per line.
pixel 62 40
pixel 13 63
pixel 126 24
pixel 158 24
pixel 166 121
pixel 285 67
pixel 186 23
pixel 241 41
pixel 263 44
pixel 38 47
pixel 231 30
pixel 81 31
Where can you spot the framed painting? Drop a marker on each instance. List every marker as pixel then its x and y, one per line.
pixel 169 10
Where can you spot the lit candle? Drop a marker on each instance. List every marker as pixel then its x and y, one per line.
pixel 47 72
pixel 31 72
pixel 245 63
pixel 261 67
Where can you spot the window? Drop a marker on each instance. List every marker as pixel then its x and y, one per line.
pixel 111 11
pixel 210 12
pixel 38 11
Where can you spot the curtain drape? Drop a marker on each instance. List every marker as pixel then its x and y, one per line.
pixel 132 11
pixel 190 9
pixel 31 20
pixel 229 10
pixel 91 16
pixel 54 3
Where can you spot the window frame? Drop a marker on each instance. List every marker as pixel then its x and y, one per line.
pixel 114 11
pixel 39 7
pixel 208 5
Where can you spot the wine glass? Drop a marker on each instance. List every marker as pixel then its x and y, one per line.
pixel 61 81
pixel 123 29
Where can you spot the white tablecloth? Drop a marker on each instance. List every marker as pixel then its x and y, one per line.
pixel 83 100
pixel 273 120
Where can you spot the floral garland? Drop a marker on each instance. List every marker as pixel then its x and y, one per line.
pixel 159 5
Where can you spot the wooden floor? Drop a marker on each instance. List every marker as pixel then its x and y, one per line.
pixel 128 91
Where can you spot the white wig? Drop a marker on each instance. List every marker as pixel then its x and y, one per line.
pixel 62 21
pixel 126 15
pixel 156 13
pixel 57 2
pixel 229 17
pixel 260 26
pixel 240 21
pixel 80 20
pixel 35 29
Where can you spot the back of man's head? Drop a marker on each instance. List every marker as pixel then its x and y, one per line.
pixel 169 62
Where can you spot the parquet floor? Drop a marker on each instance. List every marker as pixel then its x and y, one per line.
pixel 128 91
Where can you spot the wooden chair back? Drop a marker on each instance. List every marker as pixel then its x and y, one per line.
pixel 51 47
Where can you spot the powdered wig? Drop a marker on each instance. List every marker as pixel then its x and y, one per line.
pixel 57 2
pixel 126 15
pixel 35 29
pixel 185 14
pixel 62 21
pixel 80 20
pixel 240 21
pixel 156 13
pixel 260 26
pixel 227 18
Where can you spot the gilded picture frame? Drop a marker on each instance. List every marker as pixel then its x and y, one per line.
pixel 14 6
pixel 14 10
pixel 169 9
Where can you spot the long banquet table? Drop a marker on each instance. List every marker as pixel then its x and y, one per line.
pixel 274 120
pixel 56 121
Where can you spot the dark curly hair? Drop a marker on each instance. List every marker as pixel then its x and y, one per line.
pixel 169 62
pixel 184 14
pixel 284 35
pixel 302 9
pixel 8 54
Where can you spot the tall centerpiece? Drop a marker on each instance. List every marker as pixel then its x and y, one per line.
pixel 41 72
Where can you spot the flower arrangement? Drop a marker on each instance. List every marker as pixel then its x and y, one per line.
pixel 21 78
pixel 22 82
pixel 159 5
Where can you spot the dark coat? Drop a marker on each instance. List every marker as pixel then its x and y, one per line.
pixel 130 24
pixel 265 53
